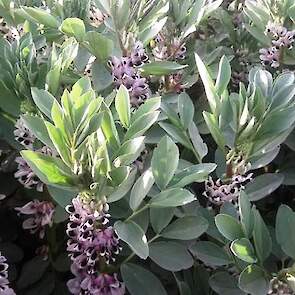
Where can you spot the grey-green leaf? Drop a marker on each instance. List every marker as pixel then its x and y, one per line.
pixel 134 236
pixel 164 162
pixel 186 228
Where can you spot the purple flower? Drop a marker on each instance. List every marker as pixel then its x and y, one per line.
pixel 23 135
pixel 178 49
pixel 41 213
pixel 100 284
pixel 285 41
pixel 278 287
pixel 165 48
pixel 125 73
pixel 91 241
pixel 26 176
pixel 270 56
pixel 138 56
pixel 4 288
pixel 218 192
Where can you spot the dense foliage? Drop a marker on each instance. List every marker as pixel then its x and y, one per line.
pixel 146 147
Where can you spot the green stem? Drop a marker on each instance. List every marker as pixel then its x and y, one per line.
pixel 137 212
pixel 133 254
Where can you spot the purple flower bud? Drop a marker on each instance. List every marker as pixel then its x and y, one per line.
pixel 41 214
pixel 218 192
pixel 138 55
pixel 270 56
pixel 4 288
pixel 124 73
pixel 23 135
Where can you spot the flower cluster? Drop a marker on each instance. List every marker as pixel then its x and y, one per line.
pixel 218 192
pixel 23 135
pixel 278 287
pixel 281 38
pixel 10 33
pixel 4 287
pixel 175 49
pixel 92 241
pixel 124 72
pixel 96 17
pixel 41 214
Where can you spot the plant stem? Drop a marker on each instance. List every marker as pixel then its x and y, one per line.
pixel 133 254
pixel 137 212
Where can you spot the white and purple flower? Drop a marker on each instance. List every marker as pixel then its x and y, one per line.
pixel 4 283
pixel 41 215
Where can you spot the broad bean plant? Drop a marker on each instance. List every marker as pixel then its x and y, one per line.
pixel 147 147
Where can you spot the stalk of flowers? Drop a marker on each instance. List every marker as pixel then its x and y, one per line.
pixel 23 135
pixel 125 72
pixel 167 48
pixel 281 38
pixel 92 244
pixel 40 216
pixel 4 283
pixel 10 33
pixel 219 192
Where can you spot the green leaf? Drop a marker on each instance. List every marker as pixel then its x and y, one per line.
pixel 134 236
pixel 195 173
pixel 224 283
pixel 161 68
pixel 160 218
pixel 253 280
pixel 122 104
pixel 59 143
pixel 244 250
pixel 150 105
pixel 141 188
pixel 199 145
pixel 263 185
pixel 99 45
pixel 261 236
pixel 41 16
pixel 32 271
pixel 229 227
pixel 61 196
pixel 141 281
pixel 101 77
pixel 149 33
pixel 38 127
pixel 129 151
pixel 171 255
pixel 44 100
pixel 186 110
pixel 141 125
pixel 210 90
pixel 123 188
pixel 215 130
pixel 210 253
pixel 177 134
pixel 186 228
pixel 246 214
pixel 172 198
pixel 224 75
pixel 74 27
pixel 285 230
pixel 50 170
pixel 164 162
